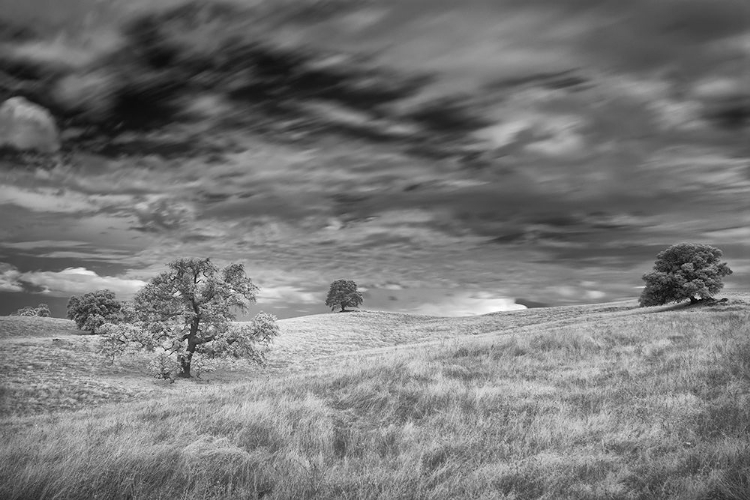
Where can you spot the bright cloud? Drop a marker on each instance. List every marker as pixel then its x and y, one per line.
pixel 559 136
pixel 287 294
pixel 502 134
pixel 565 144
pixel 78 280
pixel 9 278
pixel 469 305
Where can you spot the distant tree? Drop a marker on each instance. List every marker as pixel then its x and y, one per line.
pixel 43 310
pixel 686 271
pixel 26 311
pixel 91 310
pixel 343 293
pixel 190 310
pixel 40 310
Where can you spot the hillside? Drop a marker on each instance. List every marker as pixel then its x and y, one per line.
pixel 307 340
pixel 49 365
pixel 568 403
pixel 35 327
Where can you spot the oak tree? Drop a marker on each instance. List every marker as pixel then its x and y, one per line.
pixel 190 309
pixel 343 294
pixel 41 310
pixel 686 271
pixel 92 310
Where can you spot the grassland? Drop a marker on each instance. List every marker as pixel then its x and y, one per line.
pixel 562 403
pixel 49 366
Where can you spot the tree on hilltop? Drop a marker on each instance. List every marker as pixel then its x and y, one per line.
pixel 41 310
pixel 684 271
pixel 343 293
pixel 190 310
pixel 91 310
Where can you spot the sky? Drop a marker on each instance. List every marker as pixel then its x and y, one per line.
pixel 451 157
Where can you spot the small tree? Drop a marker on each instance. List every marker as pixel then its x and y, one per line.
pixel 684 271
pixel 189 309
pixel 91 310
pixel 343 293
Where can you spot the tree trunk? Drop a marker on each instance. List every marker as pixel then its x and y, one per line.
pixel 187 358
pixel 185 364
pixel 343 308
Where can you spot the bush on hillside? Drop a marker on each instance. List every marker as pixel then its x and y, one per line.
pixel 686 271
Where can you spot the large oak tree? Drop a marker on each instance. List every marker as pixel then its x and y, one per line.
pixel 191 309
pixel 686 271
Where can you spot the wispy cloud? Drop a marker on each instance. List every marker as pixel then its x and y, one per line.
pixel 32 245
pixel 46 199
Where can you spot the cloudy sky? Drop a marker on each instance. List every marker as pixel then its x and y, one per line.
pixel 449 156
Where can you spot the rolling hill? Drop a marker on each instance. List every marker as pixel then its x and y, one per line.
pixel 580 402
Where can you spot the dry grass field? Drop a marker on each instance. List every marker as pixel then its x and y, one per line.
pixel 49 365
pixel 584 402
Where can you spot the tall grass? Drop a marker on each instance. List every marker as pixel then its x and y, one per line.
pixel 631 407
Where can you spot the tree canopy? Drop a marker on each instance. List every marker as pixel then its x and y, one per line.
pixel 190 309
pixel 343 294
pixel 91 310
pixel 686 271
